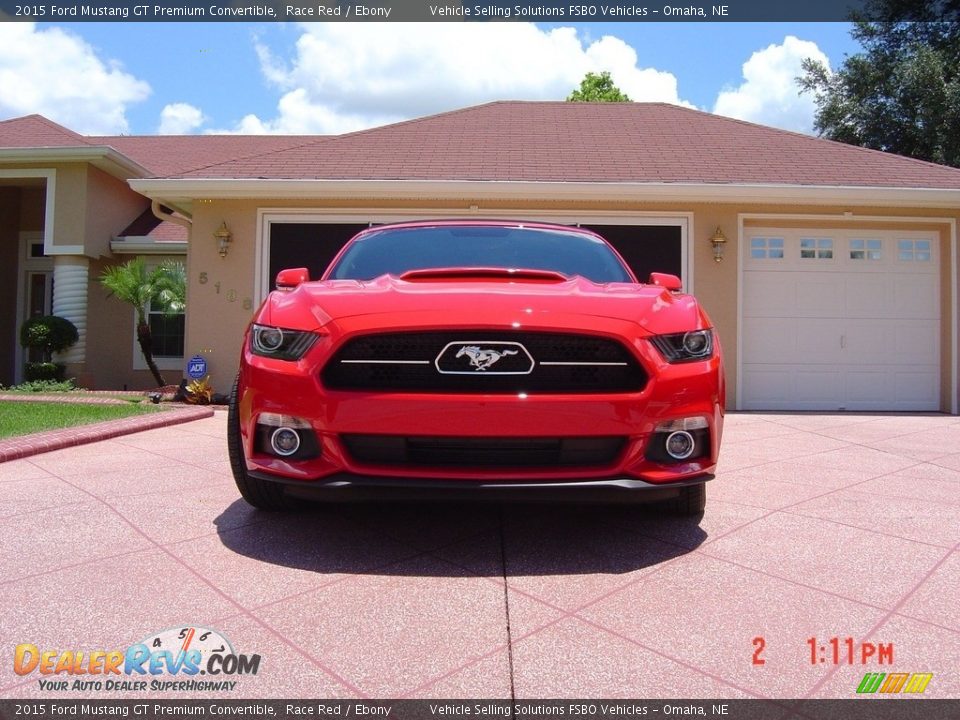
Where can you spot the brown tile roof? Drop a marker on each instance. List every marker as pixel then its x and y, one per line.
pixel 585 142
pixel 162 155
pixel 149 225
pixel 519 141
pixel 35 131
pixel 173 154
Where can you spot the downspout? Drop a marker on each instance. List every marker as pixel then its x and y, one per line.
pixel 158 211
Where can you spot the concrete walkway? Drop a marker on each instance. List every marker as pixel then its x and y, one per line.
pixel 817 526
pixel 22 446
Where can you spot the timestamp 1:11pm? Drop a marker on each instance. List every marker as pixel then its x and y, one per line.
pixel 839 651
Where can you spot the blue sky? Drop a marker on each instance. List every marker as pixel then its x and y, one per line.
pixel 335 77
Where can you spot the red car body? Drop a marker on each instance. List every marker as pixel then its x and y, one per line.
pixel 491 380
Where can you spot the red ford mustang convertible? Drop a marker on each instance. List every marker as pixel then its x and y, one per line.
pixel 477 357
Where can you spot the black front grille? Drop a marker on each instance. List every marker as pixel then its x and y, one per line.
pixel 487 452
pixel 448 362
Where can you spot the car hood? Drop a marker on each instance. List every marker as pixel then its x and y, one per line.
pixel 315 304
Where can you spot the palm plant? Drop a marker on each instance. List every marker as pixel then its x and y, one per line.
pixel 135 284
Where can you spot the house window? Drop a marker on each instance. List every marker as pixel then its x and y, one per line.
pixel 862 249
pixel 914 250
pixel 766 248
pixel 816 248
pixel 167 333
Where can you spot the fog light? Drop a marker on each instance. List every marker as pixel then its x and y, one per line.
pixel 285 441
pixel 680 445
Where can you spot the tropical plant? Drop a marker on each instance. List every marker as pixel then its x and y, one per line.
pixel 135 284
pixel 49 334
pixel 199 392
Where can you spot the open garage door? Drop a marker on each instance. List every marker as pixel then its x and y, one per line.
pixel 645 248
pixel 309 245
pixel 840 320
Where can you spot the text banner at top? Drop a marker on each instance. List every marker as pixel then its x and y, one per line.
pixel 434 10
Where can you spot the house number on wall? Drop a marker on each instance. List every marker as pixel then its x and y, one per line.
pixel 231 294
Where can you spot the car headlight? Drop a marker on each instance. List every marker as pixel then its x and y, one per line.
pixel 280 343
pixel 685 347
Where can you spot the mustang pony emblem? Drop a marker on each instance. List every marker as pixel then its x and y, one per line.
pixel 481 358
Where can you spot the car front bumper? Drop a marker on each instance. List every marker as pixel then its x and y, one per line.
pixel 672 391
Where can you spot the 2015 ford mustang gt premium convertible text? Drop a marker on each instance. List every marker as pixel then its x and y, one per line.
pixel 485 357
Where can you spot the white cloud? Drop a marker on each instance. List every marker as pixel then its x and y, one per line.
pixel 349 76
pixel 57 74
pixel 769 94
pixel 180 119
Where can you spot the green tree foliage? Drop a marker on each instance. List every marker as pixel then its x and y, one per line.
pixel 902 93
pixel 597 88
pixel 49 334
pixel 133 283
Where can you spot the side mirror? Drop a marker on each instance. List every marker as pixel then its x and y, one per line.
pixel 666 281
pixel 289 278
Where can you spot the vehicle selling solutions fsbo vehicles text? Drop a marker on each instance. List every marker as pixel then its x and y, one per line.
pixel 624 11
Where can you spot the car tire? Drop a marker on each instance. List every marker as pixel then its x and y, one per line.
pixel 262 494
pixel 691 501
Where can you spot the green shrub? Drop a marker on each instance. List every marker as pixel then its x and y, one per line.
pixel 44 386
pixel 49 334
pixel 44 371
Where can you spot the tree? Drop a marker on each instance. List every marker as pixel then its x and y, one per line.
pixel 902 94
pixel 47 334
pixel 163 287
pixel 597 88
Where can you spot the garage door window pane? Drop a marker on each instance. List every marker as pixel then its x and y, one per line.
pixel 913 250
pixel 816 248
pixel 766 248
pixel 866 249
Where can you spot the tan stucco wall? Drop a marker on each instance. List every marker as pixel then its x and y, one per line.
pixel 90 206
pixel 221 286
pixel 111 206
pixel 70 205
pixel 217 327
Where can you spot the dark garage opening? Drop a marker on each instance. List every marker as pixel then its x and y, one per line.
pixel 309 245
pixel 646 248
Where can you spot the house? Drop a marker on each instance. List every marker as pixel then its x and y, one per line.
pixel 829 270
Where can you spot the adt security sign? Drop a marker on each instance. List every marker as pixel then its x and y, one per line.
pixel 196 367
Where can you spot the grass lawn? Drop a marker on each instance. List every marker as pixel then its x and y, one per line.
pixel 21 418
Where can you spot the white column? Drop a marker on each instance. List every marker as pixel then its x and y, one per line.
pixel 70 281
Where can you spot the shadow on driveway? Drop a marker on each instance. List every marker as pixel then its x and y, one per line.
pixel 475 539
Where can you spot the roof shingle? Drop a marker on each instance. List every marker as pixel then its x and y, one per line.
pixel 586 142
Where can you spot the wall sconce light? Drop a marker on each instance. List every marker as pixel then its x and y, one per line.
pixel 719 242
pixel 223 237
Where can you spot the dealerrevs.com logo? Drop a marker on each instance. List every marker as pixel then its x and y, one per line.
pixel 173 659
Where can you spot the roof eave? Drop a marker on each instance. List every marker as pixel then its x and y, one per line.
pixel 181 192
pixel 144 245
pixel 101 156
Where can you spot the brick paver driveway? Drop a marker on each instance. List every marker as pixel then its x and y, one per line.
pixel 823 526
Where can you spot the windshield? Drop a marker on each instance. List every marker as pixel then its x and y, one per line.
pixel 398 250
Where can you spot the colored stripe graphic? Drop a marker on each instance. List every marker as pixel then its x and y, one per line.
pixel 870 682
pixel 894 683
pixel 918 683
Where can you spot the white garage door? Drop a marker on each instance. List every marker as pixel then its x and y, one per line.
pixel 840 320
